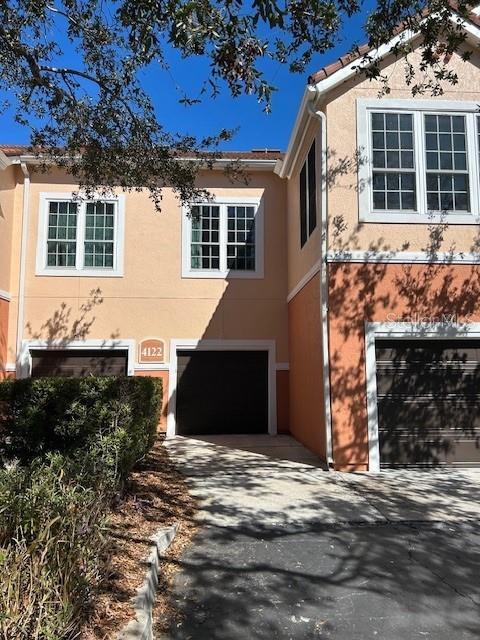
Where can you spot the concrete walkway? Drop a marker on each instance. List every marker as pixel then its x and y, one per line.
pixel 289 551
pixel 262 481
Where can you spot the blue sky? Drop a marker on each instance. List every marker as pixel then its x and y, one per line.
pixel 256 129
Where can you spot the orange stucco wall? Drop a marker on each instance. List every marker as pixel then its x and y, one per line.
pixel 307 417
pixel 3 335
pixel 162 425
pixel 362 293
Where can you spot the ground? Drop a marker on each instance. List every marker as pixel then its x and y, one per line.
pixel 286 550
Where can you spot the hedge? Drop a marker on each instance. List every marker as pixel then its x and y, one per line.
pixel 68 445
pixel 39 415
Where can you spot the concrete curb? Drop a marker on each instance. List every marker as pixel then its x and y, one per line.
pixel 141 628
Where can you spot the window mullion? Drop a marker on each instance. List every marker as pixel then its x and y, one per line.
pixel 473 165
pixel 420 163
pixel 80 235
pixel 223 238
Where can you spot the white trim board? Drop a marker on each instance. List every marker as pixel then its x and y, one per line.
pixel 401 331
pixel 222 345
pixel 24 364
pixel 145 366
pixel 311 273
pixel 4 295
pixel 417 109
pixel 404 257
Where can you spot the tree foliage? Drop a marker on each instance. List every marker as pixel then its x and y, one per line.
pixel 73 69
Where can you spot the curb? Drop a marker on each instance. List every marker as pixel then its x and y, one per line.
pixel 141 628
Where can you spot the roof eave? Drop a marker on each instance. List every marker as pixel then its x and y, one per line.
pixel 5 161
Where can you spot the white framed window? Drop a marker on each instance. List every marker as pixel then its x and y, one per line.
pixel 80 237
pixel 418 161
pixel 223 239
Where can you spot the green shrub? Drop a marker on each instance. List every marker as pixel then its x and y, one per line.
pixel 61 414
pixel 74 441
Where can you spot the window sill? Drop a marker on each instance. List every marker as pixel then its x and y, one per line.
pixel 420 218
pixel 217 275
pixel 80 273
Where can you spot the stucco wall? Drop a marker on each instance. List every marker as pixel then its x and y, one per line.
pixel 383 293
pixel 307 411
pixel 7 197
pixel 342 146
pixel 3 335
pixel 302 259
pixel 152 299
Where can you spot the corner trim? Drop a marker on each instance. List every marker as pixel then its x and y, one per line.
pixel 304 281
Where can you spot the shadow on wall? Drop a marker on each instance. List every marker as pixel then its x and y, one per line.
pixel 235 383
pixel 367 292
pixel 65 326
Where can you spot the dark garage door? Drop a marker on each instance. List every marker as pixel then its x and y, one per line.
pixel 68 363
pixel 222 392
pixel 429 402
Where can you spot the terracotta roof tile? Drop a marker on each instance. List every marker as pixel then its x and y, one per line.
pixel 257 154
pixel 346 59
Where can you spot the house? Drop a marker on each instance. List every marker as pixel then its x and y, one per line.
pixel 334 297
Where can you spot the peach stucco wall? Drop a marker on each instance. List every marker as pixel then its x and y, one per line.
pixel 3 335
pixel 383 293
pixel 345 231
pixel 7 198
pixel 152 299
pixel 283 402
pixel 301 259
pixel 307 411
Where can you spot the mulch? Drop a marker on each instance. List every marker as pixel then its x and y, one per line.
pixel 156 496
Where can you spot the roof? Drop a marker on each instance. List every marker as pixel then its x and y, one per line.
pixel 350 57
pixel 257 154
pixel 338 72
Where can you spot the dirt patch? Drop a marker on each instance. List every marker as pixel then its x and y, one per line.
pixel 157 496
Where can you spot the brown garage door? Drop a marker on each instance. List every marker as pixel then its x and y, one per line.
pixel 429 402
pixel 222 392
pixel 68 363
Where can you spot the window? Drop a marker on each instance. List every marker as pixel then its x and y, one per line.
pixel 223 239
pixel 418 161
pixel 78 237
pixel 308 196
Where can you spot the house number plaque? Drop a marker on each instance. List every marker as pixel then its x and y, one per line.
pixel 151 350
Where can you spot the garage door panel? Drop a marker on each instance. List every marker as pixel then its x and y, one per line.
pixel 222 392
pixel 68 363
pixel 428 396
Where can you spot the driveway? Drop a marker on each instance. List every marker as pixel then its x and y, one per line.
pixel 289 551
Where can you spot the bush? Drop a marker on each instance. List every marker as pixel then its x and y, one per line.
pixel 75 441
pixel 61 414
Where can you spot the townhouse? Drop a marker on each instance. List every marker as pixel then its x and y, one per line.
pixel 334 297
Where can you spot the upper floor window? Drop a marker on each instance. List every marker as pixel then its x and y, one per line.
pixel 78 237
pixel 222 239
pixel 418 161
pixel 308 196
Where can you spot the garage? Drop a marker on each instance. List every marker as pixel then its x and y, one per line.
pixel 428 402
pixel 78 363
pixel 221 392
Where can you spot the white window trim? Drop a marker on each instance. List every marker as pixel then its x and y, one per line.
pixel 119 238
pixel 417 108
pixel 400 331
pixel 24 361
pixel 222 345
pixel 224 273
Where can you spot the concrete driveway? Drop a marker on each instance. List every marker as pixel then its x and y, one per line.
pixel 288 550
